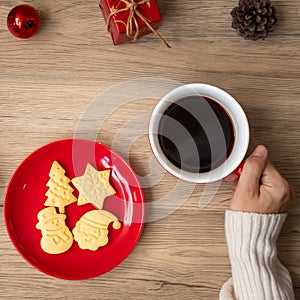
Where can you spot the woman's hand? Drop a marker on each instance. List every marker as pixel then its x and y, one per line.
pixel 260 188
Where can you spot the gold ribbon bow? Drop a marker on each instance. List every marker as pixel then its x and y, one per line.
pixel 132 22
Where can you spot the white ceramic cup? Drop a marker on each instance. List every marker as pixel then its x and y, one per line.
pixel 240 128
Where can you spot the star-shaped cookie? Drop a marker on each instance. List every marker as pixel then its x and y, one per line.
pixel 93 186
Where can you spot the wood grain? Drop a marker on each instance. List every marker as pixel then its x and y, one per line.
pixel 48 81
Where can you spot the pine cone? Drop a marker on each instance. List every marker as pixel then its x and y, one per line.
pixel 253 19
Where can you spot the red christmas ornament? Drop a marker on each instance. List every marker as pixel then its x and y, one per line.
pixel 23 21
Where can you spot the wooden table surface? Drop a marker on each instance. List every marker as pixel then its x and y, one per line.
pixel 48 82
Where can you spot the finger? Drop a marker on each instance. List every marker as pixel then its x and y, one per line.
pixel 273 179
pixel 253 170
pixel 270 175
pixel 231 177
pixel 234 186
pixel 292 193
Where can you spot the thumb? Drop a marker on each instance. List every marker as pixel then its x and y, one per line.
pixel 253 170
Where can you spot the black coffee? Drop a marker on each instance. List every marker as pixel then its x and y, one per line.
pixel 196 134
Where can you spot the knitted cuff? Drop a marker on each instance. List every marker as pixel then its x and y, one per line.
pixel 256 271
pixel 252 233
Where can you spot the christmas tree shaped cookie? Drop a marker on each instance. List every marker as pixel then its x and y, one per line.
pixel 60 193
pixel 93 186
pixel 91 231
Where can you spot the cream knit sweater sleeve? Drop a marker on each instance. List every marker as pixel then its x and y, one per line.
pixel 256 271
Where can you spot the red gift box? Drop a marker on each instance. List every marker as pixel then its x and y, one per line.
pixel 128 18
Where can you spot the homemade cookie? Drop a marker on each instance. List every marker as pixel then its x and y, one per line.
pixel 56 236
pixel 60 193
pixel 93 186
pixel 81 198
pixel 91 231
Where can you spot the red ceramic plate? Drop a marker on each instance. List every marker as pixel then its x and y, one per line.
pixel 25 197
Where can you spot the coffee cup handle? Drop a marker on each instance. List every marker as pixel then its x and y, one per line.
pixel 239 169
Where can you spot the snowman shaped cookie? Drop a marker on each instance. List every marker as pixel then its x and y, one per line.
pixel 56 236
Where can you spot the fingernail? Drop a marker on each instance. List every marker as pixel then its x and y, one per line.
pixel 260 151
